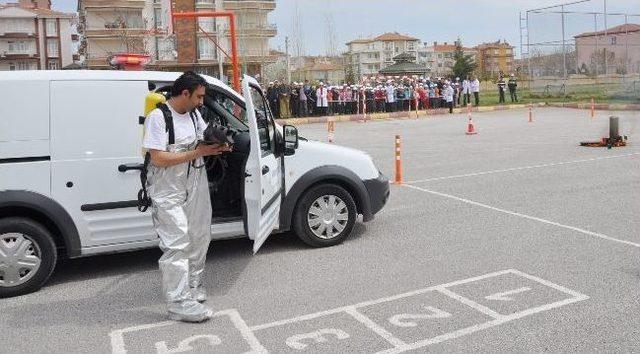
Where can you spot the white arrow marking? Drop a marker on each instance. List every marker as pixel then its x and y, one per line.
pixel 401 320
pixel 503 296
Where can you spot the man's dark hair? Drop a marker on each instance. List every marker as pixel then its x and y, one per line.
pixel 188 81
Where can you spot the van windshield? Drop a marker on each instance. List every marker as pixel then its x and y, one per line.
pixel 222 108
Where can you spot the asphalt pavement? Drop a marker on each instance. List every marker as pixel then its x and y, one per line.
pixel 515 239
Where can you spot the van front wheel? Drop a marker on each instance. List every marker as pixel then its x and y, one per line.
pixel 325 215
pixel 27 256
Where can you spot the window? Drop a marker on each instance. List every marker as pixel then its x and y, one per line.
pixel 52 65
pixel 52 28
pixel 18 47
pixel 266 128
pixel 614 40
pixel 52 47
pixel 21 65
pixel 208 24
pixel 206 49
pixel 157 16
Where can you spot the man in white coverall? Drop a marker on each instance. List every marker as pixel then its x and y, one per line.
pixel 181 204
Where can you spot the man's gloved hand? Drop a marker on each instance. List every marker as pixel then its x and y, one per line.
pixel 211 150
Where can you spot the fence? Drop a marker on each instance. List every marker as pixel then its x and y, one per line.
pixel 571 49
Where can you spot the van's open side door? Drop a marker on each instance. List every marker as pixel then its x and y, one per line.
pixel 263 181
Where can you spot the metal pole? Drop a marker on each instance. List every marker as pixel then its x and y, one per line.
pixel 529 53
pixel 520 26
pixel 564 51
pixel 219 29
pixel 605 37
pixel 626 46
pixel 234 52
pixel 595 31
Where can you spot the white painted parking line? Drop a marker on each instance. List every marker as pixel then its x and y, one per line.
pixel 504 296
pixel 377 301
pixel 324 334
pixel 487 311
pixel 522 168
pixel 118 344
pixel 375 327
pixel 524 216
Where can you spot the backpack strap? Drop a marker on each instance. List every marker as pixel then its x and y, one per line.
pixel 168 122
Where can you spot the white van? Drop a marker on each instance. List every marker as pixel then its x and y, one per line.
pixel 70 160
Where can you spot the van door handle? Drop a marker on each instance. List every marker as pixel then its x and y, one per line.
pixel 131 166
pixel 265 170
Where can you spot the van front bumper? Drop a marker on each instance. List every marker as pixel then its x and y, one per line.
pixel 378 189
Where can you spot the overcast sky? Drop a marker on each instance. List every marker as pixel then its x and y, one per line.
pixel 474 21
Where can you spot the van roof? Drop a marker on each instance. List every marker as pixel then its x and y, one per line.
pixel 28 75
pixel 96 75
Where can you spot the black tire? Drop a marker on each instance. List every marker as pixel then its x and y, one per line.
pixel 45 246
pixel 301 224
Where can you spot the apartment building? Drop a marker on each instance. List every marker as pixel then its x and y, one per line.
pixel 619 45
pixel 139 26
pixel 34 37
pixel 494 59
pixel 366 57
pixel 439 57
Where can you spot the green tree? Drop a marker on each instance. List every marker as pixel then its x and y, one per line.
pixel 464 63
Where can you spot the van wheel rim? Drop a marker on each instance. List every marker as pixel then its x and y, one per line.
pixel 328 216
pixel 20 259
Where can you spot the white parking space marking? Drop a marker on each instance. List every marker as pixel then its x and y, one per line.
pixel 118 341
pixel 420 314
pixel 504 296
pixel 522 168
pixel 524 216
pixel 375 327
pixel 408 320
pixel 321 336
pixel 487 311
pixel 185 345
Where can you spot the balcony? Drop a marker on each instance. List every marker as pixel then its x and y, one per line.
pixel 131 27
pixel 17 35
pixel 267 5
pixel 255 31
pixel 111 5
pixel 17 56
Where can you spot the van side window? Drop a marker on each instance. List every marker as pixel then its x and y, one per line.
pixel 266 126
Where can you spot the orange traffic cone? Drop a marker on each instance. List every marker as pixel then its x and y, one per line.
pixel 470 128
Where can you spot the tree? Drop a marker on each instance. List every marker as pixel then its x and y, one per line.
pixel 464 63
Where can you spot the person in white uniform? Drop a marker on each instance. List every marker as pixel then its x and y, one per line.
pixel 179 192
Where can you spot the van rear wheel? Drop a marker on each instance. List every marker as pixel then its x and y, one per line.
pixel 27 256
pixel 325 215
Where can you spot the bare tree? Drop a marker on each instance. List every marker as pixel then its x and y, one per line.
pixel 297 35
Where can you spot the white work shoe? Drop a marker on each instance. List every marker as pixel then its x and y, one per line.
pixel 189 311
pixel 199 294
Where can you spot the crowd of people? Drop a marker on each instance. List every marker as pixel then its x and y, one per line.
pixel 303 99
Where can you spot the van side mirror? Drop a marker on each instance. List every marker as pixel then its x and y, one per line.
pixel 290 139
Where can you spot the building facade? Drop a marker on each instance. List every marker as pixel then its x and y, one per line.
pixel 494 59
pixel 34 37
pixel 365 57
pixel 439 58
pixel 139 26
pixel 618 48
pixel 315 69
